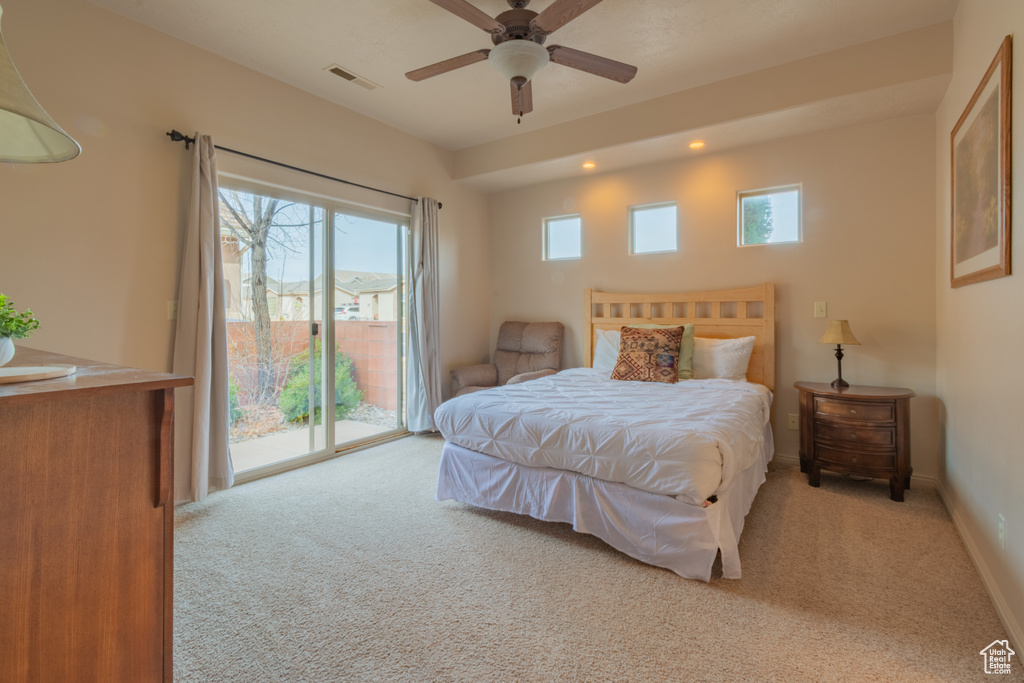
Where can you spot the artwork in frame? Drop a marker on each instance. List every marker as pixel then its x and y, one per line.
pixel 981 179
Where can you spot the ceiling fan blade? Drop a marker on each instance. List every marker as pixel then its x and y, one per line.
pixel 448 65
pixel 592 64
pixel 463 9
pixel 558 14
pixel 522 98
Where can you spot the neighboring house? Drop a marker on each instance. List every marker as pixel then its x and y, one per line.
pixel 287 300
pixel 290 300
pixel 231 254
pixel 378 299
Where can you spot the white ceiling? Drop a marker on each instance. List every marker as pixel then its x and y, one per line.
pixel 676 44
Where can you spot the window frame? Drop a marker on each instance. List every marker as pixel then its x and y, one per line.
pixel 631 231
pixel 765 191
pixel 545 247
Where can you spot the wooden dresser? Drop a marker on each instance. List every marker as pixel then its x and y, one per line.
pixel 856 430
pixel 86 515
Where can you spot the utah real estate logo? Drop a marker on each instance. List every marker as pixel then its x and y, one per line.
pixel 997 657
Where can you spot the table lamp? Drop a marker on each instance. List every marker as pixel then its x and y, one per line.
pixel 839 333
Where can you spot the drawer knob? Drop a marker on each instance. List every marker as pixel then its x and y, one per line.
pixel 855 459
pixel 853 436
pixel 853 411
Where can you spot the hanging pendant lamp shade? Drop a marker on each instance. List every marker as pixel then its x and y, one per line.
pixel 27 133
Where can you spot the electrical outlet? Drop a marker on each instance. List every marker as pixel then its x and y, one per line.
pixel 794 421
pixel 1002 532
pixel 172 310
pixel 819 309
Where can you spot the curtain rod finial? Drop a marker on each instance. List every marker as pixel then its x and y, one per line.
pixel 176 136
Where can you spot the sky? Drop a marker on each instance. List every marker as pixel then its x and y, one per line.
pixel 361 244
pixel 786 217
pixel 563 237
pixel 655 229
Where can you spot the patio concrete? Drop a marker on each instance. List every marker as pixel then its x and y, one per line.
pixel 266 450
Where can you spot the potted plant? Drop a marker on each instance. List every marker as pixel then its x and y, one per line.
pixel 13 325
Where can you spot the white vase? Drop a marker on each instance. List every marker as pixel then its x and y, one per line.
pixel 6 349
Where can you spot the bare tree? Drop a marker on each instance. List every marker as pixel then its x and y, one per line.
pixel 261 224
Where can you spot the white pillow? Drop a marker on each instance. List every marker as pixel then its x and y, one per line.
pixel 606 353
pixel 721 358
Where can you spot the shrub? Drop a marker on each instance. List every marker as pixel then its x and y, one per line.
pixel 235 412
pixel 294 399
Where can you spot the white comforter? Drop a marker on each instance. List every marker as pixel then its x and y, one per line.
pixel 687 440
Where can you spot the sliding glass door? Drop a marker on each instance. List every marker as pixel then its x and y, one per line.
pixel 315 304
pixel 369 307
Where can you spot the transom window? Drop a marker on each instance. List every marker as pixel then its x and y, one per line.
pixel 563 238
pixel 653 228
pixel 769 216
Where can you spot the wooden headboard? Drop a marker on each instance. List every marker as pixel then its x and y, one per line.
pixel 721 315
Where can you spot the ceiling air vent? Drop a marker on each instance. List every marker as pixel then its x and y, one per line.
pixel 352 78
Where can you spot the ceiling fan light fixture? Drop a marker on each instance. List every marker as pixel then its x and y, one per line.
pixel 518 58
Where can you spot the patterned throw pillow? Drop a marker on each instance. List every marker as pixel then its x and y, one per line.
pixel 648 355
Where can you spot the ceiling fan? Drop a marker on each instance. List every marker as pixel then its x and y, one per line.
pixel 518 36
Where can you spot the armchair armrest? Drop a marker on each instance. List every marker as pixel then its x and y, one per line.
pixel 485 375
pixel 527 376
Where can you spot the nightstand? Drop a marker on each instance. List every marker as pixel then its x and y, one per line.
pixel 856 430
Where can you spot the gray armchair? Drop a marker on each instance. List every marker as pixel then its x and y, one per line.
pixel 525 351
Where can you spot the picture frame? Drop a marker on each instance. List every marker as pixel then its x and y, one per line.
pixel 980 175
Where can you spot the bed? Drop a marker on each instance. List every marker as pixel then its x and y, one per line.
pixel 665 473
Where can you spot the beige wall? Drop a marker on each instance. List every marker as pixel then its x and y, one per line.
pixel 868 250
pixel 980 378
pixel 92 245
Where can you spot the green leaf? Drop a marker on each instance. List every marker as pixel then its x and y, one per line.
pixel 13 324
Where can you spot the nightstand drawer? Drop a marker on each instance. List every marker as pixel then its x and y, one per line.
pixel 872 461
pixel 854 410
pixel 855 434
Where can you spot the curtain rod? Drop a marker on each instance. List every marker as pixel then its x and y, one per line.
pixel 176 136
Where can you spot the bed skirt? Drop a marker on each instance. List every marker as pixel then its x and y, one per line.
pixel 656 529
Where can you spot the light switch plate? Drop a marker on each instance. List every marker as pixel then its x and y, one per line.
pixel 794 421
pixel 172 310
pixel 820 308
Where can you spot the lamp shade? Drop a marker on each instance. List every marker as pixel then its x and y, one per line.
pixel 838 332
pixel 518 58
pixel 27 133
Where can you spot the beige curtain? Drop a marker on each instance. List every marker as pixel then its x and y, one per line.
pixel 424 395
pixel 201 457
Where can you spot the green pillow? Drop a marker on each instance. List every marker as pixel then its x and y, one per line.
pixel 685 348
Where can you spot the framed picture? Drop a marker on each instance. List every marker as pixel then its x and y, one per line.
pixel 981 179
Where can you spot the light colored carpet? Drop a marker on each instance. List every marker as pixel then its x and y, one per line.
pixel 350 571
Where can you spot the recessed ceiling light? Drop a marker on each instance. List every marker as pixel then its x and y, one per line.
pixel 696 144
pixel 589 165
